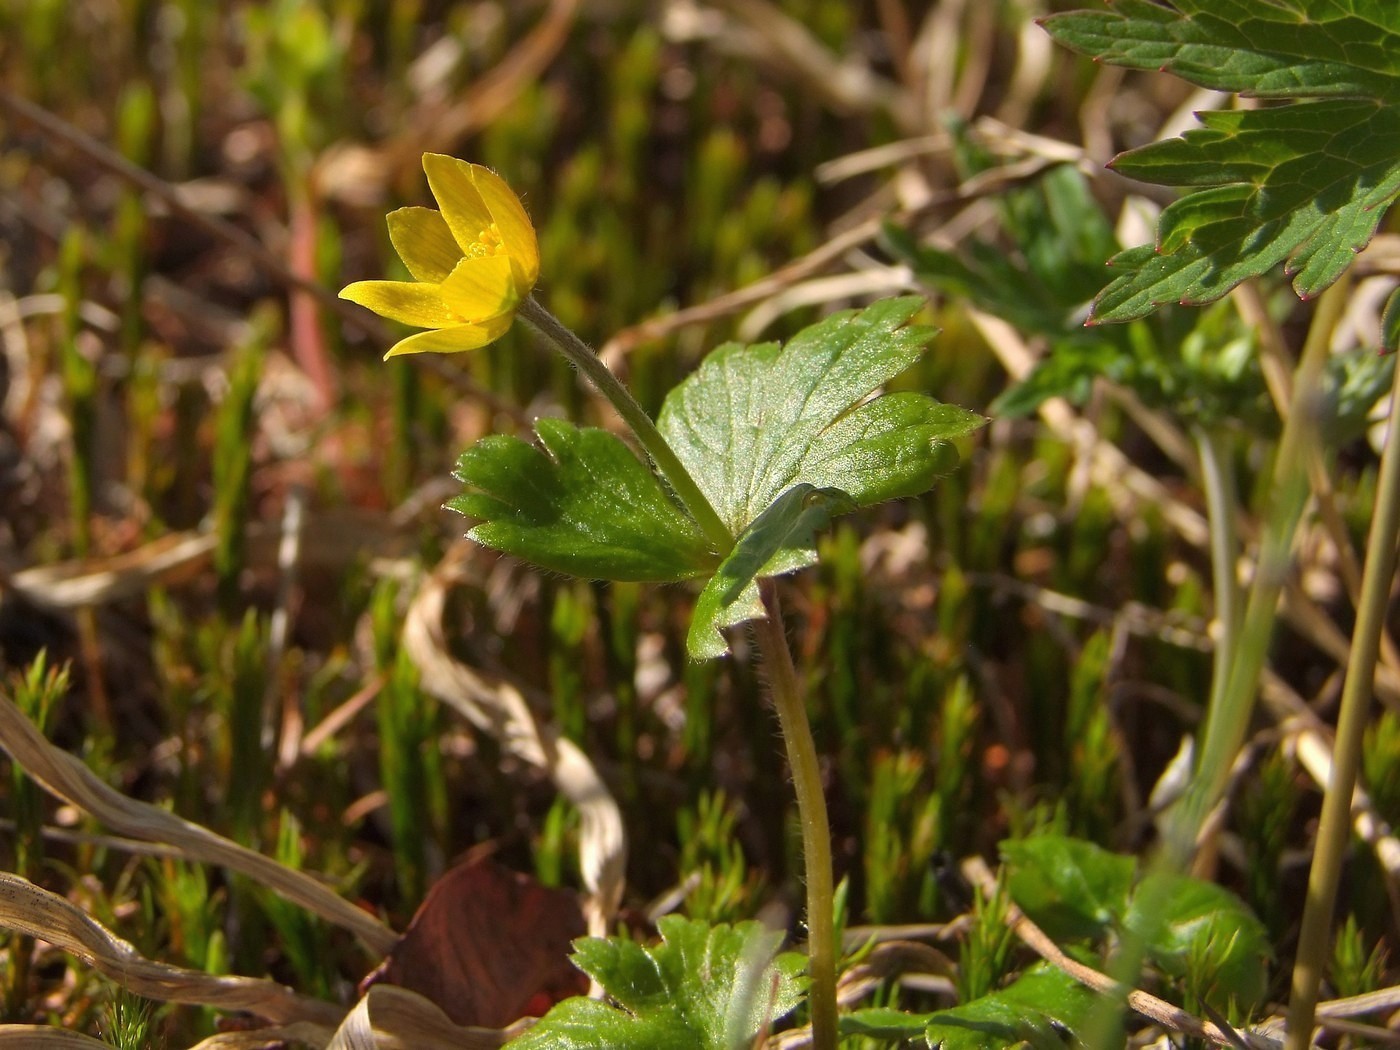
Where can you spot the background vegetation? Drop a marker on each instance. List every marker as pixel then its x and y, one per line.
pixel 216 503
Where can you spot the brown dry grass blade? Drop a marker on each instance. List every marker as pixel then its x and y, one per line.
pixel 497 707
pixel 37 1037
pixel 329 540
pixel 732 302
pixel 59 130
pixel 277 1037
pixel 28 909
pixel 281 1037
pixel 846 83
pixel 444 117
pixel 1127 485
pixel 76 584
pixel 63 775
pixel 390 1018
pixel 438 128
pixel 387 1018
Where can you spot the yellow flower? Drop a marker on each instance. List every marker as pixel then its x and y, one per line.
pixel 472 263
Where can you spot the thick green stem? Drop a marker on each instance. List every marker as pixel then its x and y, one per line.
pixel 1334 829
pixel 586 361
pixel 811 808
pixel 1227 721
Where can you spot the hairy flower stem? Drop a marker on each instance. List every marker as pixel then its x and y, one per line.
pixel 791 706
pixel 776 658
pixel 1334 829
pixel 581 356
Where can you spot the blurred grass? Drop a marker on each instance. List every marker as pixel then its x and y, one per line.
pixel 157 378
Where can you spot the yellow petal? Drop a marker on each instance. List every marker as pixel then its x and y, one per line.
pixel 478 288
pixel 409 302
pixel 517 233
pixel 424 243
pixel 453 340
pixel 455 189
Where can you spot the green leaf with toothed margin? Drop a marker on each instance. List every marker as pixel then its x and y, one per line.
pixel 1035 1010
pixel 702 988
pixel 782 437
pixel 779 438
pixel 1304 183
pixel 582 503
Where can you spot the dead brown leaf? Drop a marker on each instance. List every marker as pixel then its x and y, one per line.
pixel 489 945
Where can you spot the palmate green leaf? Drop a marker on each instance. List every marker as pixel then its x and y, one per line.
pixel 1033 1010
pixel 1202 933
pixel 703 988
pixel 1304 184
pixel 1070 887
pixel 754 423
pixel 1194 931
pixel 779 439
pixel 883 1022
pixel 582 504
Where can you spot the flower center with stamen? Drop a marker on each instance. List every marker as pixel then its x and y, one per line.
pixel 488 242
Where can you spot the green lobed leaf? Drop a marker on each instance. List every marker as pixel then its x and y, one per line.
pixel 1268 49
pixel 586 1024
pixel 1193 930
pixel 883 1022
pixel 1069 887
pixel 1199 931
pixel 703 988
pixel 781 438
pixel 1032 1010
pixel 583 504
pixel 753 421
pixel 1304 184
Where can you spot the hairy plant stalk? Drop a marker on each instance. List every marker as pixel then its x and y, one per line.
pixel 1334 829
pixel 582 357
pixel 1227 721
pixel 776 658
pixel 791 706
